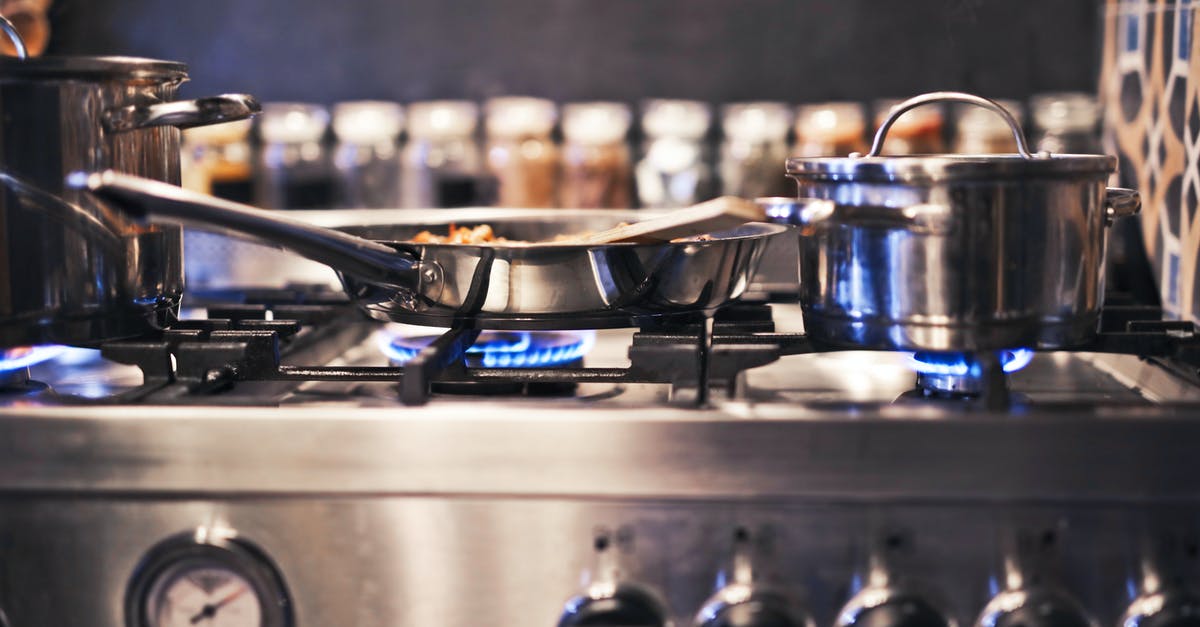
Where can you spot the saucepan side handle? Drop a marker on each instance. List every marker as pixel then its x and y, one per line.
pixel 929 219
pixel 1120 202
pixel 367 260
pixel 182 113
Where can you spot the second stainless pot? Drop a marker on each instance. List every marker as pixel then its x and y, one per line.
pixel 70 271
pixel 953 252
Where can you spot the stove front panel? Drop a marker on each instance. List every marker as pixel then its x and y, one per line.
pixel 465 562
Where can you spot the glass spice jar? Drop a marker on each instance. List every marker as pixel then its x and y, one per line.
pixel 217 160
pixel 366 158
pixel 596 161
pixel 294 171
pixel 1066 123
pixel 754 149
pixel 442 165
pixel 830 129
pixel 521 154
pixel 674 170
pixel 917 132
pixel 979 131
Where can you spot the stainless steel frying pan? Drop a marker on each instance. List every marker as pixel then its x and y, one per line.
pixel 558 286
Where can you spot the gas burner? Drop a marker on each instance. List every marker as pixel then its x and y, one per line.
pixel 525 350
pixel 504 349
pixel 16 362
pixel 964 375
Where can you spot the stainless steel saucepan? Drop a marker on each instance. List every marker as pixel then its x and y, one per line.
pixel 496 286
pixel 62 280
pixel 952 252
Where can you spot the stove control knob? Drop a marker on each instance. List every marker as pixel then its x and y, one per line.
pixel 1168 608
pixel 609 601
pixel 731 607
pixel 626 606
pixel 1035 607
pixel 744 600
pixel 878 606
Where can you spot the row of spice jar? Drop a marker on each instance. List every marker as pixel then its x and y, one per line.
pixel 532 158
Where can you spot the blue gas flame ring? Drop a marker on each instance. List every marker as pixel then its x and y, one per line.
pixel 504 349
pixel 26 356
pixel 963 364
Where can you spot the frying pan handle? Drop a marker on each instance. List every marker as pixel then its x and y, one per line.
pixel 364 259
pixel 91 226
pixel 182 113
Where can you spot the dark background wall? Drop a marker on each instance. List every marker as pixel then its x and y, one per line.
pixel 716 50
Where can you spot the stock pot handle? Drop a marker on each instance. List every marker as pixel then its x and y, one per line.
pixel 948 96
pixel 1120 202
pixel 182 113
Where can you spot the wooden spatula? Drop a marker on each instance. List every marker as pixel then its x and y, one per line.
pixel 718 214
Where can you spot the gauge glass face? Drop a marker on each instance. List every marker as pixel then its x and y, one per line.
pixel 203 593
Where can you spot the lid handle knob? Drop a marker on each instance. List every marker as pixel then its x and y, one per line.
pixel 948 96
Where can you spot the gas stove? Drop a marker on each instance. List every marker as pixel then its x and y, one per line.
pixel 276 459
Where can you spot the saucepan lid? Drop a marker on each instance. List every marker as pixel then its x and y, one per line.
pixel 84 67
pixel 875 166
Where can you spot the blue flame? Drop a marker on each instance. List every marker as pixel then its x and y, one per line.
pixel 26 356
pixel 500 349
pixel 961 365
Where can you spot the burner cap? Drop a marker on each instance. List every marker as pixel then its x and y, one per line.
pixel 961 374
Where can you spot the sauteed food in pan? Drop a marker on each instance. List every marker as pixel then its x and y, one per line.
pixel 484 234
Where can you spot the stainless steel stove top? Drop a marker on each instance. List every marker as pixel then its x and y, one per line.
pixel 335 502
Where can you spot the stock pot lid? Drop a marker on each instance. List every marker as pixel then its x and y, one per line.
pixel 948 167
pixel 92 68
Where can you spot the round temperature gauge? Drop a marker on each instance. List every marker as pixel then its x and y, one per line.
pixel 197 580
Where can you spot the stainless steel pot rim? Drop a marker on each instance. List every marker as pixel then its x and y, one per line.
pixel 947 167
pixel 92 67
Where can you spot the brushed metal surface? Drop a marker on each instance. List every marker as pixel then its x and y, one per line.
pixel 462 562
pixel 1125 453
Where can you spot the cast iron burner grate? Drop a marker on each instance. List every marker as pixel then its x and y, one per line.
pixel 243 345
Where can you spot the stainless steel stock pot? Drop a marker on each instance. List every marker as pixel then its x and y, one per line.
pixel 72 272
pixel 952 252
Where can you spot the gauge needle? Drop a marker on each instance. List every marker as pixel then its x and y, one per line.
pixel 210 610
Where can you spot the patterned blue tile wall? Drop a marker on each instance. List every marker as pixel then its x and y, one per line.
pixel 1151 84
